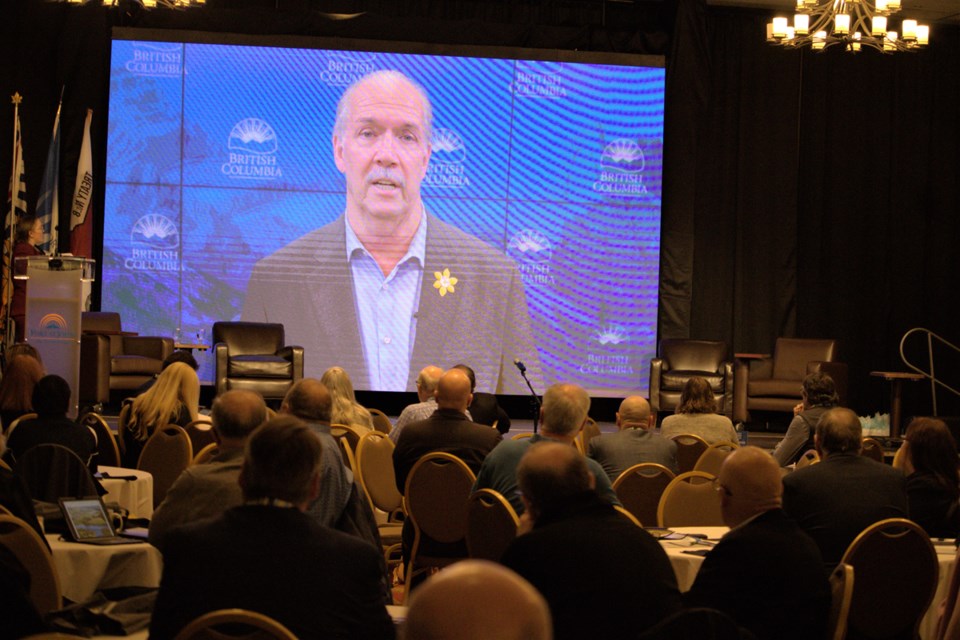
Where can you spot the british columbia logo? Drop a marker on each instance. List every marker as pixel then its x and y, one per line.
pixel 533 251
pixel 621 168
pixel 154 244
pixel 252 146
pixel 533 84
pixel 609 335
pixel 448 168
pixel 156 59
pixel 51 325
pixel 343 68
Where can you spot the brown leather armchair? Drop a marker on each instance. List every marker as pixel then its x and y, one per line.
pixel 774 383
pixel 112 359
pixel 681 360
pixel 252 355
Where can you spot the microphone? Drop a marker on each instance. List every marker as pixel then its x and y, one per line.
pixel 520 365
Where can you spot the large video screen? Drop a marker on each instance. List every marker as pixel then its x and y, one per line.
pixel 521 223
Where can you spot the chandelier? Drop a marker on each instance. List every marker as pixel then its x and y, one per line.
pixel 853 23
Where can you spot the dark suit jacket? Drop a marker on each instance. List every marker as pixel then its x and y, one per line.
pixel 602 576
pixel 767 575
pixel 317 582
pixel 308 286
pixel 486 410
pixel 836 499
pixel 62 431
pixel 447 430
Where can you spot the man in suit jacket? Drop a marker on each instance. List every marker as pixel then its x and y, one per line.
pixel 388 288
pixel 634 443
pixel 268 556
pixel 603 576
pixel 836 499
pixel 484 408
pixel 765 572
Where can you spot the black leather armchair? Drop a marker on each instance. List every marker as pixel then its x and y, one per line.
pixel 681 360
pixel 253 356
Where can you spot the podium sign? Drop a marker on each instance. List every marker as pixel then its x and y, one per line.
pixel 56 295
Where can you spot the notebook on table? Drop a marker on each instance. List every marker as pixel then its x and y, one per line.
pixel 88 522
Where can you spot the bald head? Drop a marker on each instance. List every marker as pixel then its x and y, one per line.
pixel 634 413
pixel 427 382
pixel 235 414
pixel 565 408
pixel 750 480
pixel 453 391
pixel 839 431
pixel 308 399
pixel 456 604
pixel 550 474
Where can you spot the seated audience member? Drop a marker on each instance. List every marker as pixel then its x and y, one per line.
pixel 484 408
pixel 427 381
pixel 477 600
pixel 346 410
pixel 562 416
pixel 603 576
pixel 51 401
pixel 268 556
pixel 634 443
pixel 23 349
pixel 697 415
pixel 174 399
pixel 835 500
pixel 179 355
pixel 819 395
pixel 766 572
pixel 933 483
pixel 15 497
pixel 209 489
pixel 16 389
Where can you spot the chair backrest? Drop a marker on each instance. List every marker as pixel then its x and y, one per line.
pixel 521 436
pixel 590 430
pixel 206 454
pixel 344 431
pixel 689 449
pixel 52 471
pixel 894 564
pixel 712 458
pixel 107 322
pixel 165 455
pixel 123 424
pixel 31 552
pixel 900 457
pixel 690 500
pixel 226 624
pixel 200 432
pixel 841 594
pixel 249 338
pixel 808 458
pixel 346 452
pixel 639 489
pixel 436 496
pixel 375 471
pixel 491 525
pixel 791 355
pixel 380 420
pixel 108 453
pixel 13 424
pixel 695 356
pixel 872 449
pixel 626 514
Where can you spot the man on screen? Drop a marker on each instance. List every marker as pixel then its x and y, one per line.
pixel 388 288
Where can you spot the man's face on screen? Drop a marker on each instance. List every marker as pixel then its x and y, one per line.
pixel 382 150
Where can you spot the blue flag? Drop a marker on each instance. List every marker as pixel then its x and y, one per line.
pixel 48 208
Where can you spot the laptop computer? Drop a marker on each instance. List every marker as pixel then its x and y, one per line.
pixel 88 522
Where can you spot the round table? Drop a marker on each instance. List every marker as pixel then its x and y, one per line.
pixel 132 489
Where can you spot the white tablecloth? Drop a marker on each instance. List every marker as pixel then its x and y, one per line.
pixel 85 568
pixel 136 496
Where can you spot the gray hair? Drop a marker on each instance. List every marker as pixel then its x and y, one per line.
pixel 385 76
pixel 565 407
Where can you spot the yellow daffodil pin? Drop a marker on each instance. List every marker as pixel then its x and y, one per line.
pixel 444 282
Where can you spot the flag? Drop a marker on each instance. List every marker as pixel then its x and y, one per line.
pixel 81 214
pixel 16 207
pixel 48 208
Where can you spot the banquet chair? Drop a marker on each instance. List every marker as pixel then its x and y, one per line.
pixel 639 489
pixel 374 470
pixel 346 453
pixel 346 432
pixel 491 525
pixel 436 496
pixel 380 421
pixel 689 449
pixel 589 431
pixel 872 449
pixel 690 500
pixel 16 421
pixel 52 471
pixel 241 624
pixel 206 454
pixel 165 455
pixel 712 459
pixel 123 424
pixel 31 552
pixel 521 436
pixel 680 360
pixel 200 432
pixel 108 453
pixel 626 514
pixel 253 356
pixel 697 623
pixel 895 564
pixel 841 594
pixel 809 457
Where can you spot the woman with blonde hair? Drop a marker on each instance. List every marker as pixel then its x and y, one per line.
pixel 173 399
pixel 16 388
pixel 346 410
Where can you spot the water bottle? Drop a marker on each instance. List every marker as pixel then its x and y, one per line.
pixel 741 434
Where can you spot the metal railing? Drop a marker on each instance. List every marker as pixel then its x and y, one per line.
pixel 931 374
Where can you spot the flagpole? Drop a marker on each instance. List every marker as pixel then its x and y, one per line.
pixel 16 99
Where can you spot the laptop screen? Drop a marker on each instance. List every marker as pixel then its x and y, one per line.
pixel 87 518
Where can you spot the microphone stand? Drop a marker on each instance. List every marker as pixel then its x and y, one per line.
pixel 535 399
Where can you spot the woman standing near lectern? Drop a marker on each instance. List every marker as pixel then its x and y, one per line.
pixel 28 234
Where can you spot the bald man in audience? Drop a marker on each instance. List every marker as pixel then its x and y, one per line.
pixel 477 600
pixel 603 576
pixel 209 489
pixel 765 572
pixel 562 416
pixel 635 442
pixel 842 495
pixel 426 392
